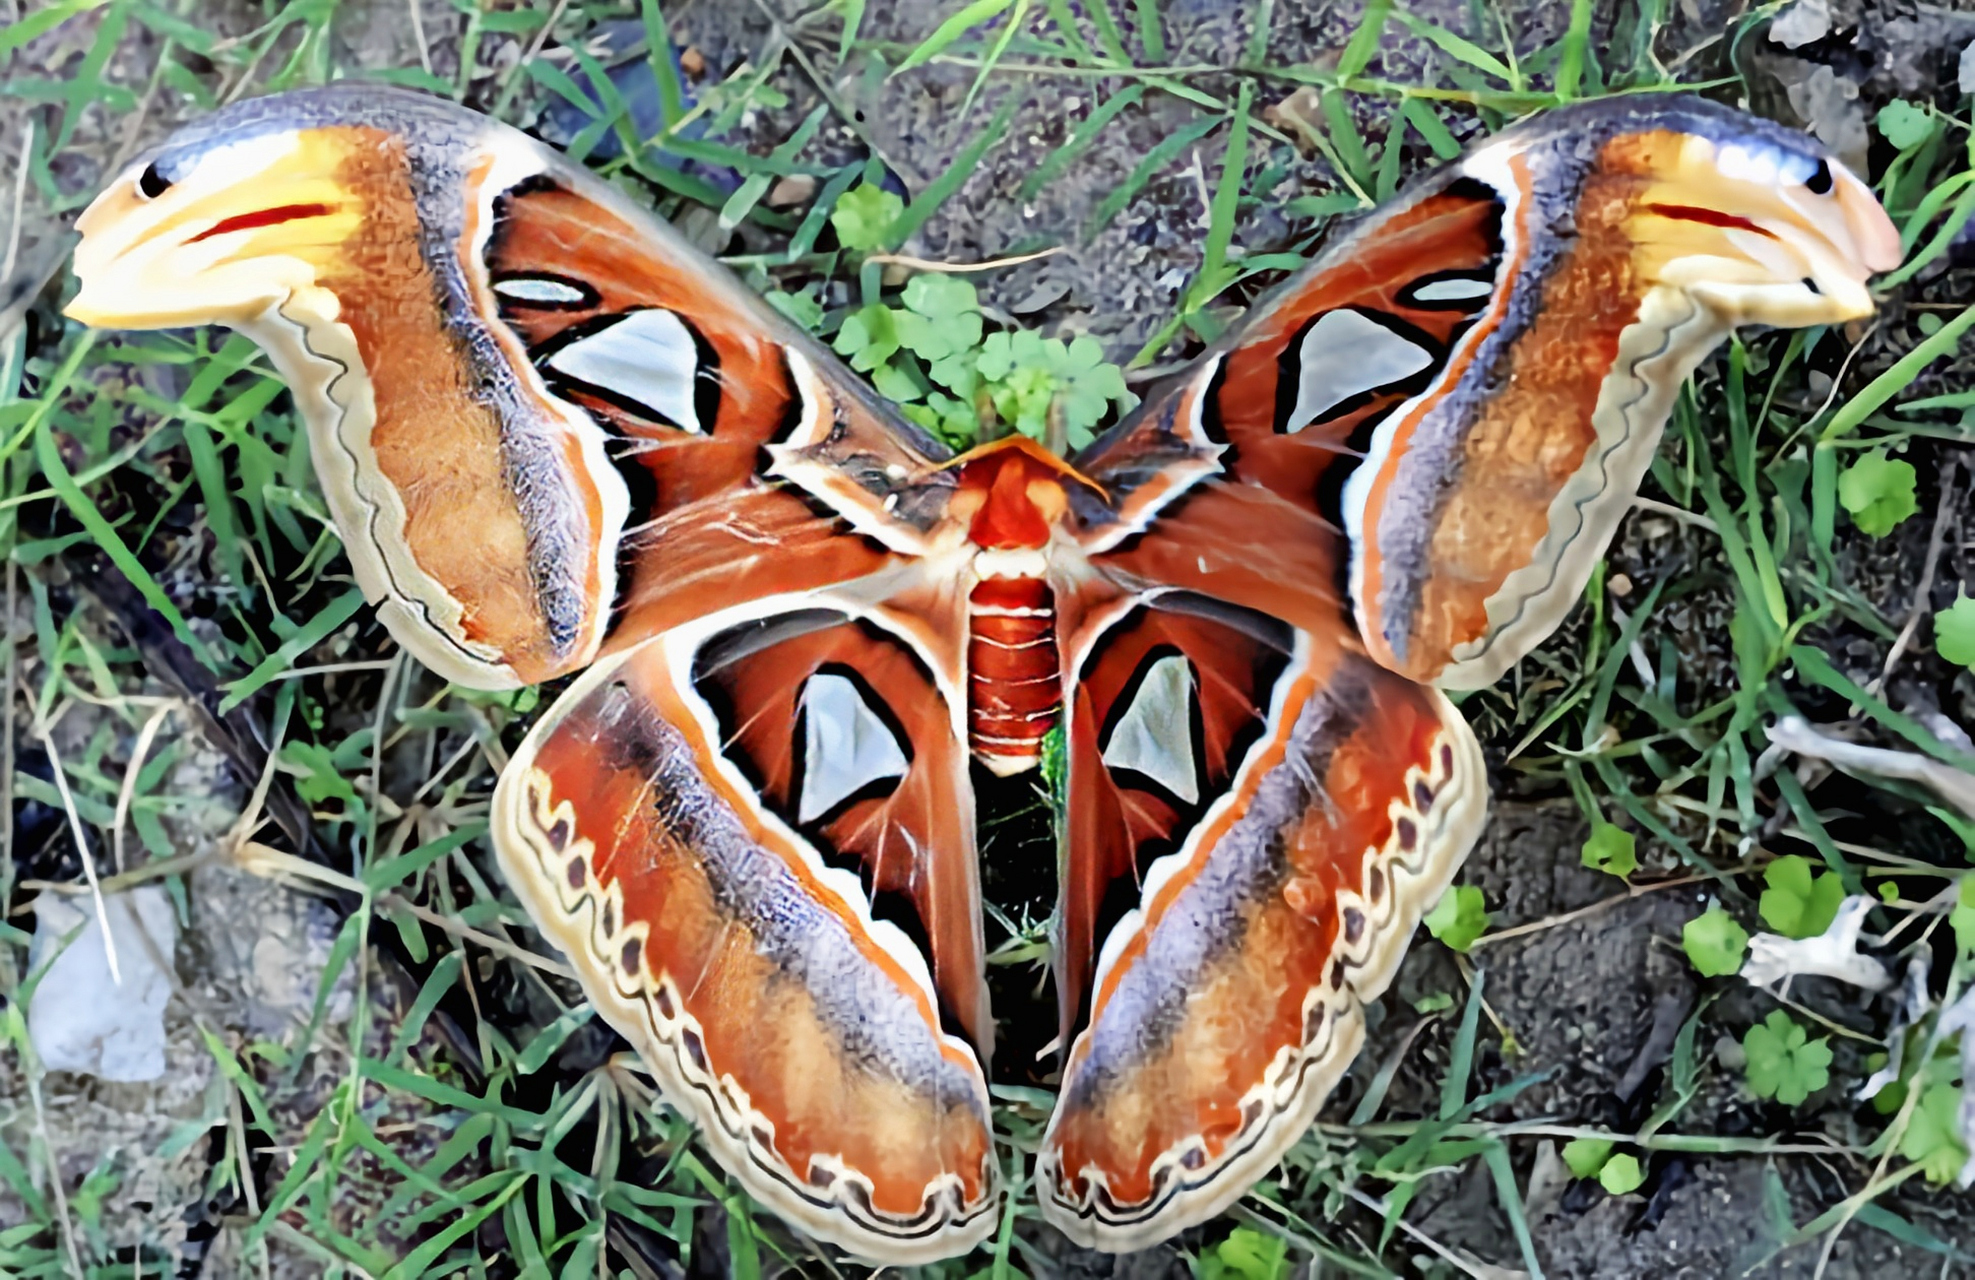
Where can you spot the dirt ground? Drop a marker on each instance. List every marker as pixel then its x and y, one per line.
pixel 1590 1002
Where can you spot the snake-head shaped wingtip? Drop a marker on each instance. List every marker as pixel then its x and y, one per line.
pixel 229 217
pixel 1763 230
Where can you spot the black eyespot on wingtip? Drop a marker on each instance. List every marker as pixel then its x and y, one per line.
pixel 1820 182
pixel 151 184
pixel 1811 285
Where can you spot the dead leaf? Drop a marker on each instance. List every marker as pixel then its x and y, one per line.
pixel 1774 959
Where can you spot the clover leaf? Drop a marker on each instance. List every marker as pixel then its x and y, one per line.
pixel 868 337
pixel 803 308
pixel 1621 1174
pixel 1246 1254
pixel 322 774
pixel 1585 1156
pixel 1797 904
pixel 1962 918
pixel 864 217
pixel 1714 943
pixel 1611 849
pixel 942 318
pixel 1593 1158
pixel 1954 632
pixel 1932 1139
pixel 1460 917
pixel 1028 374
pixel 896 384
pixel 953 421
pixel 1904 125
pixel 1784 1063
pixel 1090 386
pixel 1878 491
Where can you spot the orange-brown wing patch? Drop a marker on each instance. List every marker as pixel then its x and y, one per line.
pixel 1470 385
pixel 846 734
pixel 1288 400
pixel 1227 1003
pixel 1636 236
pixel 676 358
pixel 1171 695
pixel 799 1032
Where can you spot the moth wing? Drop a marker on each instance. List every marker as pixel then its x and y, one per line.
pixel 526 396
pixel 1257 817
pixel 748 835
pixel 1467 387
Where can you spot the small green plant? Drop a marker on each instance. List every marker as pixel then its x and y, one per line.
pixel 1932 1140
pixel 1798 904
pixel 1611 849
pixel 1622 1174
pixel 865 217
pixel 1029 376
pixel 1784 1063
pixel 1962 918
pixel 1714 943
pixel 322 774
pixel 1878 491
pixel 1585 1156
pixel 1460 917
pixel 1618 1173
pixel 803 308
pixel 1954 632
pixel 1246 1254
pixel 929 355
pixel 1904 125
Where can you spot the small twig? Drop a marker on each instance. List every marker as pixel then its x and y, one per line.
pixel 7 731
pixel 41 731
pixel 138 753
pixel 956 268
pixel 1942 518
pixel 1585 912
pixel 155 870
pixel 1957 787
pixel 418 35
pixel 1681 514
pixel 1384 1211
pixel 499 946
pixel 336 668
pixel 1642 667
pixel 20 198
pixel 55 1179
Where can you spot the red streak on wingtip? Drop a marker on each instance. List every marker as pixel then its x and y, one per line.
pixel 1712 217
pixel 263 218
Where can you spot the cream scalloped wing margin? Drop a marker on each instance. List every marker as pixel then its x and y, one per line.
pixel 1676 329
pixel 1297 1082
pixel 523 811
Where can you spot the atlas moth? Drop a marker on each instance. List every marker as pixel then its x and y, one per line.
pixel 556 439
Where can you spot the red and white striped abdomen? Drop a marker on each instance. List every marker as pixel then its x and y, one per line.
pixel 1014 686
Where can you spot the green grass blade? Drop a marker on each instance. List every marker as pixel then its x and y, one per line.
pixel 104 534
pixel 1899 377
pixel 1577 39
pixel 1080 138
pixel 969 17
pixel 1151 29
pixel 1155 160
pixel 1363 44
pixel 1458 47
pixel 306 637
pixel 1454 1085
pixel 939 189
